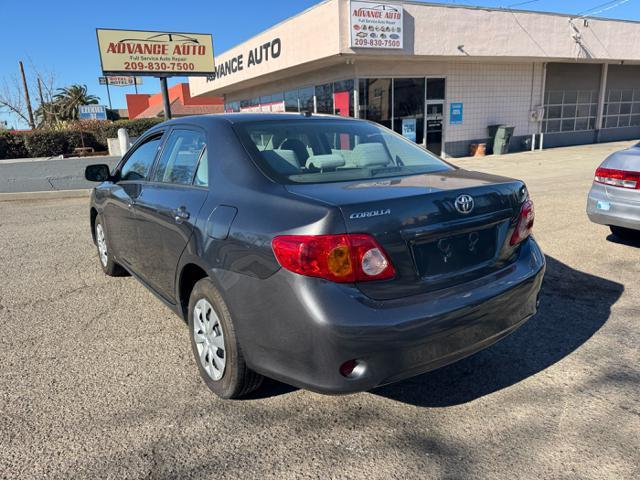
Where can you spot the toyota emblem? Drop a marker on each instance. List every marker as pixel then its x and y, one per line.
pixel 464 204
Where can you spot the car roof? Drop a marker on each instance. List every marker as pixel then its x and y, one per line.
pixel 253 117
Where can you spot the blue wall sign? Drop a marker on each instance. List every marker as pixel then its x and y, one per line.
pixel 92 112
pixel 455 113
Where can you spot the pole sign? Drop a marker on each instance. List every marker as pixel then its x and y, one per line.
pixel 120 81
pixel 161 54
pixel 376 25
pixel 92 112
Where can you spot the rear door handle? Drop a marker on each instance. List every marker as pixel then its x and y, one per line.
pixel 181 215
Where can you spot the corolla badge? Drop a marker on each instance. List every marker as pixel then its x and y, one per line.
pixel 372 213
pixel 464 204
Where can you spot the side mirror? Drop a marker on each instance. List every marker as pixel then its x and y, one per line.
pixel 97 173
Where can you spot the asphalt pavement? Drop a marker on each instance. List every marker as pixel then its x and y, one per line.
pixel 39 175
pixel 98 380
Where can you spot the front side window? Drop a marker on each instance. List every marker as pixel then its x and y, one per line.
pixel 180 156
pixel 321 151
pixel 138 165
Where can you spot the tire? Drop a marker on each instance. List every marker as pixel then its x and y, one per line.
pixel 625 233
pixel 109 266
pixel 219 360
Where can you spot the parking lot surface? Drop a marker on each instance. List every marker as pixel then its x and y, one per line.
pixel 97 378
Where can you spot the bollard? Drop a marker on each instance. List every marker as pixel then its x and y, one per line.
pixel 123 140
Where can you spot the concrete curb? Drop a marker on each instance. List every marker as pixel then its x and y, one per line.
pixel 46 195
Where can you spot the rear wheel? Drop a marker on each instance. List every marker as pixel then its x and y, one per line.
pixel 625 233
pixel 215 345
pixel 109 266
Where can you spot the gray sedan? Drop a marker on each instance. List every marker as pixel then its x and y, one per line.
pixel 614 199
pixel 324 252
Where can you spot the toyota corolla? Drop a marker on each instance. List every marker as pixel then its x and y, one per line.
pixel 328 253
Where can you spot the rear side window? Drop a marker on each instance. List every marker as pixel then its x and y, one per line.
pixel 202 174
pixel 139 163
pixel 180 156
pixel 320 151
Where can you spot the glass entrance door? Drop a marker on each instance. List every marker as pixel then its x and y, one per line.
pixel 434 107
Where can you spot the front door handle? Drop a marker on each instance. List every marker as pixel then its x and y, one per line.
pixel 181 215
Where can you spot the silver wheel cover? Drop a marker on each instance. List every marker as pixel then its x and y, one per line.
pixel 102 245
pixel 209 339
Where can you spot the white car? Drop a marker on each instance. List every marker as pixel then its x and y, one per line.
pixel 614 199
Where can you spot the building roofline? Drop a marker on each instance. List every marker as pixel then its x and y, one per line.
pixel 513 10
pixel 433 4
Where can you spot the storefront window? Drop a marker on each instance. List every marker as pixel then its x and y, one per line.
pixel 250 105
pixel 375 100
pixel 305 96
pixel 291 101
pixel 343 98
pixel 324 98
pixel 232 107
pixel 408 103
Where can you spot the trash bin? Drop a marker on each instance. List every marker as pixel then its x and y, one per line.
pixel 500 136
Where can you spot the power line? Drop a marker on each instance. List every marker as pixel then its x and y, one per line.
pixel 602 8
pixel 519 4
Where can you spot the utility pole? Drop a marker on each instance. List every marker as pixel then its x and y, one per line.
pixel 32 124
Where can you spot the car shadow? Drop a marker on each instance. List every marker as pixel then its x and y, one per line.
pixel 624 241
pixel 270 388
pixel 574 306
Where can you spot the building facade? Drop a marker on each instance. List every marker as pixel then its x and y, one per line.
pixel 441 74
pixel 142 105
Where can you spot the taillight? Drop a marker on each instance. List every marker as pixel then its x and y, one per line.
pixel 525 223
pixel 618 178
pixel 344 258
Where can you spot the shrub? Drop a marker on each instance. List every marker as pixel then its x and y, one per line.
pixel 69 136
pixel 45 143
pixel 135 127
pixel 87 133
pixel 12 145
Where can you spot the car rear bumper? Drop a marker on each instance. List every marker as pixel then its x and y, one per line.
pixel 606 209
pixel 305 328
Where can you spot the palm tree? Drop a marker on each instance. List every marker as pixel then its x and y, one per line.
pixel 68 99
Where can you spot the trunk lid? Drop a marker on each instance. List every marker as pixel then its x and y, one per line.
pixel 431 243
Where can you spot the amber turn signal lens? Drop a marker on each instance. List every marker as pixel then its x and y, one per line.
pixel 339 261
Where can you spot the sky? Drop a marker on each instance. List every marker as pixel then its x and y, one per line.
pixel 59 37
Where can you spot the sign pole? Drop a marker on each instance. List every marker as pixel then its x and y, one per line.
pixel 165 98
pixel 108 93
pixel 135 84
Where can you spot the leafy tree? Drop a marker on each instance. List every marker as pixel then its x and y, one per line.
pixel 68 99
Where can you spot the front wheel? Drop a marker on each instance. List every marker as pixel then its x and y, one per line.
pixel 625 233
pixel 109 266
pixel 215 346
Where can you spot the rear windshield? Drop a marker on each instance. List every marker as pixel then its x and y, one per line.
pixel 320 151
